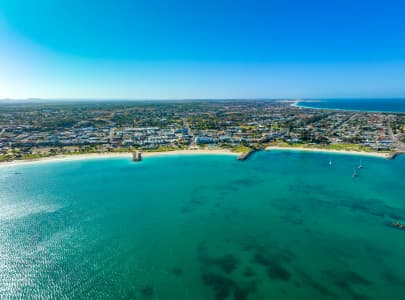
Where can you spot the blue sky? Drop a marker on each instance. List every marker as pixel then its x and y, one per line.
pixel 202 49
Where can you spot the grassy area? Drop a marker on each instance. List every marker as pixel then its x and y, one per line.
pixel 237 149
pixel 11 157
pixel 120 150
pixel 351 147
pixel 5 157
pixel 166 148
pixel 35 156
pixel 249 127
pixel 341 147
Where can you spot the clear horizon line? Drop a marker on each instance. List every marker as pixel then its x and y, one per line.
pixel 189 99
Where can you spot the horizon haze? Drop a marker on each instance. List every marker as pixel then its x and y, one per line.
pixel 227 49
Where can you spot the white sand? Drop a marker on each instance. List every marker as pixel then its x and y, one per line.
pixel 188 152
pixel 351 152
pixel 128 155
pixel 73 157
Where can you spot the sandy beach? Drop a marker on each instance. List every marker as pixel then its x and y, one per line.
pixel 74 157
pixel 191 152
pixel 350 152
pixel 295 103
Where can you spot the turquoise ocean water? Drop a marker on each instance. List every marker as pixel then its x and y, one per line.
pixel 373 105
pixel 281 225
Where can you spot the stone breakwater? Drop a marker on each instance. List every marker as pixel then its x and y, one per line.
pixel 246 155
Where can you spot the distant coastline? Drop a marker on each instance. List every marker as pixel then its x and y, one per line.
pixel 395 106
pixel 297 104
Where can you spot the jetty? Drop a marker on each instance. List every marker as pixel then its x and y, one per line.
pixel 247 154
pixel 137 156
pixel 395 154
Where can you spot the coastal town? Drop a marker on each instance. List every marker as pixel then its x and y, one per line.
pixel 36 129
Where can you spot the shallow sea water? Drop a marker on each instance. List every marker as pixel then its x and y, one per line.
pixel 281 225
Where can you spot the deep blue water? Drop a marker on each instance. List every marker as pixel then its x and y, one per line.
pixel 380 105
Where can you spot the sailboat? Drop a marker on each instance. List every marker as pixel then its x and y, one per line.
pixel 330 162
pixel 360 166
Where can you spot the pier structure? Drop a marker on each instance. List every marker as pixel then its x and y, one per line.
pixel 137 156
pixel 245 155
pixel 395 154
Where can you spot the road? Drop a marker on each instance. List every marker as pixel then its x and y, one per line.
pixel 396 140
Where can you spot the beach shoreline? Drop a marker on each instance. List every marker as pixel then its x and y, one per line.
pixel 87 156
pixel 320 150
pixel 370 111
